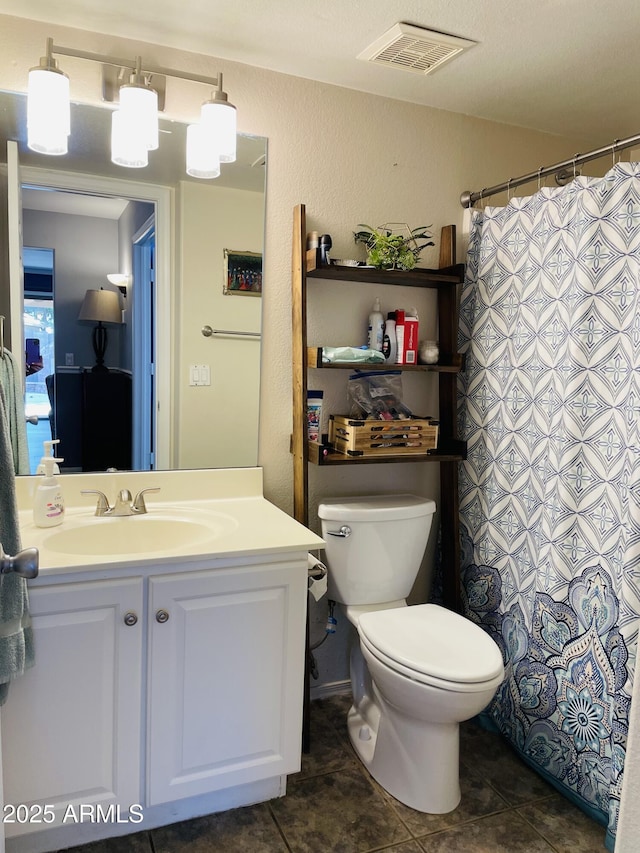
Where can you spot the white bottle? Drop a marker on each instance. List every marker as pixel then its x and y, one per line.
pixel 48 503
pixel 49 454
pixel 389 342
pixel 376 327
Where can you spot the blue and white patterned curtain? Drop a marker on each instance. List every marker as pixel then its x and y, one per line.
pixel 550 492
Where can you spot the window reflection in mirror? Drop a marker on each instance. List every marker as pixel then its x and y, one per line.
pixel 38 335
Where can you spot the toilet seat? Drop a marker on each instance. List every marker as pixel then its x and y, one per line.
pixel 432 645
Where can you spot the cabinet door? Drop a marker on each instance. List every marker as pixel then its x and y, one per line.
pixel 226 678
pixel 71 724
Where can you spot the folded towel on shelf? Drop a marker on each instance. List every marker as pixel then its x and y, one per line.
pixel 332 355
pixel 11 382
pixel 16 636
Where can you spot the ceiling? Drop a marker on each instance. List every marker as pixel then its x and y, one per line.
pixel 568 67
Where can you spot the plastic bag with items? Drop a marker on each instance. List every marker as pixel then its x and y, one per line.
pixel 377 395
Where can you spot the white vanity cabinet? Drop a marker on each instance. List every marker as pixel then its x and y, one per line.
pixel 156 688
pixel 226 661
pixel 71 725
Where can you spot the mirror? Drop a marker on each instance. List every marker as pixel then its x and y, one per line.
pixel 188 248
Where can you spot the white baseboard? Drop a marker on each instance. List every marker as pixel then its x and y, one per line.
pixel 331 688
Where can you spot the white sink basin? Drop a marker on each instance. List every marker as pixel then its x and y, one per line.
pixel 142 534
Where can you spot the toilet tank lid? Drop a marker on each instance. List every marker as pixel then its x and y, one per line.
pixel 375 507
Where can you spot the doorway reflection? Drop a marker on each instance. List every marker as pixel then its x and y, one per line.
pixel 39 337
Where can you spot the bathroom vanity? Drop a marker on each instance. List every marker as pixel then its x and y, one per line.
pixel 168 683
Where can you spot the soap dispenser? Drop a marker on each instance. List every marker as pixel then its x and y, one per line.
pixel 49 454
pixel 48 503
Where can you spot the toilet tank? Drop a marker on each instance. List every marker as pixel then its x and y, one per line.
pixel 378 560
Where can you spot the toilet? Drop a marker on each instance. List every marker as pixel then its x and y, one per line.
pixel 417 672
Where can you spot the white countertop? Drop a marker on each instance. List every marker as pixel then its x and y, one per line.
pixel 254 525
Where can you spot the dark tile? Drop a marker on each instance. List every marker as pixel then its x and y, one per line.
pixel 339 812
pixel 333 709
pixel 565 826
pixel 138 842
pixel 249 829
pixel 478 800
pixel 330 749
pixel 503 833
pixel 491 756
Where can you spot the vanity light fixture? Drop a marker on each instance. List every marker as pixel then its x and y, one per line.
pixel 218 116
pixel 213 140
pixel 128 148
pixel 134 129
pixel 48 106
pixel 203 160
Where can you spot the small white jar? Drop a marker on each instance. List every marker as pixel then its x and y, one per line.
pixel 428 352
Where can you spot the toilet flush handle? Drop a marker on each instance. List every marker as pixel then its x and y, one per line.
pixel 344 531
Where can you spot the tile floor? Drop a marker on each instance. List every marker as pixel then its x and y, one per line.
pixel 332 804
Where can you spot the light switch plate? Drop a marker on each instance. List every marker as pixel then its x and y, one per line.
pixel 199 374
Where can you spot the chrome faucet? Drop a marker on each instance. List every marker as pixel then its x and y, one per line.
pixel 124 503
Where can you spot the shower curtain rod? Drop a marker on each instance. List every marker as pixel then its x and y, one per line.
pixel 467 199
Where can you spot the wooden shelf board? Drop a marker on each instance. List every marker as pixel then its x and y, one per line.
pixel 324 454
pixel 407 278
pixel 450 364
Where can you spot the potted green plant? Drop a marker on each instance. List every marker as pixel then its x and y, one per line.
pixel 394 245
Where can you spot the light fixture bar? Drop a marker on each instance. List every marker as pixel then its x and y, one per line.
pixel 132 65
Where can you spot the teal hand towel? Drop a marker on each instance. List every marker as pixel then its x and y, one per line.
pixel 11 382
pixel 16 635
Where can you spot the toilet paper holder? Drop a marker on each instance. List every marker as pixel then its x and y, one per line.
pixel 316 570
pixel 316 577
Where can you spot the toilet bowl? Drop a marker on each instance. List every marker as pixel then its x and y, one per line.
pixel 416 672
pixel 430 669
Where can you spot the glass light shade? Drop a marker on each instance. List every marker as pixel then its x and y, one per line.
pixel 127 147
pixel 48 111
pixel 202 155
pixel 120 279
pixel 140 104
pixel 219 117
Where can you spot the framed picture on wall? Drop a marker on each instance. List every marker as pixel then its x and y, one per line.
pixel 242 273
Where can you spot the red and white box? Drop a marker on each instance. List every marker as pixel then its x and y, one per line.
pixel 410 340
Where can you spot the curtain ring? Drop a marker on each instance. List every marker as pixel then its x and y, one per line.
pixel 509 189
pixel 613 152
pixel 574 165
pixel 539 177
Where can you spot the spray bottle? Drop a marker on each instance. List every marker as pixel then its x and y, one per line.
pixel 376 327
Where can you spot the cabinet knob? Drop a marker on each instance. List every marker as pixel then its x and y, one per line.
pixel 162 616
pixel 130 618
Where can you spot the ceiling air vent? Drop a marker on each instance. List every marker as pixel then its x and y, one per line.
pixel 414 49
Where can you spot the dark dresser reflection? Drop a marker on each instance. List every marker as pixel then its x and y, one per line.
pixel 92 418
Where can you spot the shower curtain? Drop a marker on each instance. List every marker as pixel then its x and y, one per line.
pixel 550 490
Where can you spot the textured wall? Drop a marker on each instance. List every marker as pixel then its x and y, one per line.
pixel 350 157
